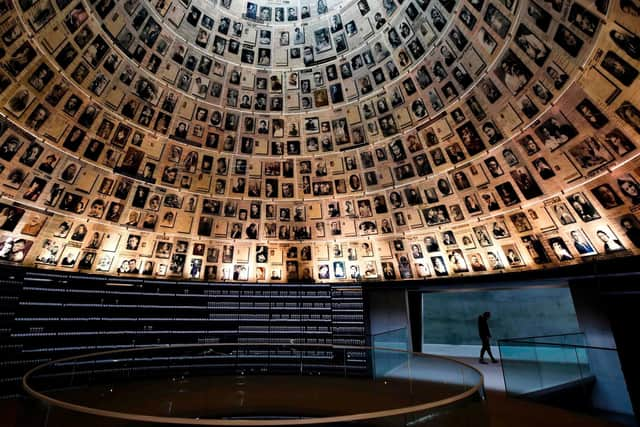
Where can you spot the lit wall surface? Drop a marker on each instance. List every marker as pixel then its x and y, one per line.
pixel 321 140
pixel 451 318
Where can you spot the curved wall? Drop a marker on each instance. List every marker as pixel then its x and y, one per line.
pixel 325 140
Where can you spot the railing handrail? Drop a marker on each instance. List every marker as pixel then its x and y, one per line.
pixel 554 344
pixel 544 336
pixel 389 331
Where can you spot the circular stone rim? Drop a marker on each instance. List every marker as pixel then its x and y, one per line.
pixel 245 422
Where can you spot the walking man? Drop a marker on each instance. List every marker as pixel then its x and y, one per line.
pixel 485 336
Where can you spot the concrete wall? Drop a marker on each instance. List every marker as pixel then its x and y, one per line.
pixel 450 318
pixel 610 391
pixel 388 311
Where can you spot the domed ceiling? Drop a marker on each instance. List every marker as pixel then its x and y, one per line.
pixel 325 140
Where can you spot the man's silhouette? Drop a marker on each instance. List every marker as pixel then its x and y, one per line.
pixel 485 335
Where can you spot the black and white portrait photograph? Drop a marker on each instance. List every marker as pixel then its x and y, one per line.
pixel 556 131
pixel 568 41
pixel 623 71
pixel 497 21
pixel 590 154
pixel 607 196
pixel 583 207
pixel 513 73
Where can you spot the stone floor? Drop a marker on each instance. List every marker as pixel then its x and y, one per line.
pixel 509 412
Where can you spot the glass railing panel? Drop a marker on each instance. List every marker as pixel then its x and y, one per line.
pixel 389 363
pixel 386 363
pixel 261 382
pixel 582 357
pixel 540 366
pixel 574 339
pixel 557 365
pixel 397 339
pixel 533 364
pixel 519 365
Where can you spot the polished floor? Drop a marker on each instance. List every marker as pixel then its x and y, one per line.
pixel 509 412
pixel 503 411
pixel 492 372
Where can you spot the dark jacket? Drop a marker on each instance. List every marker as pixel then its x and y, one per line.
pixel 483 327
